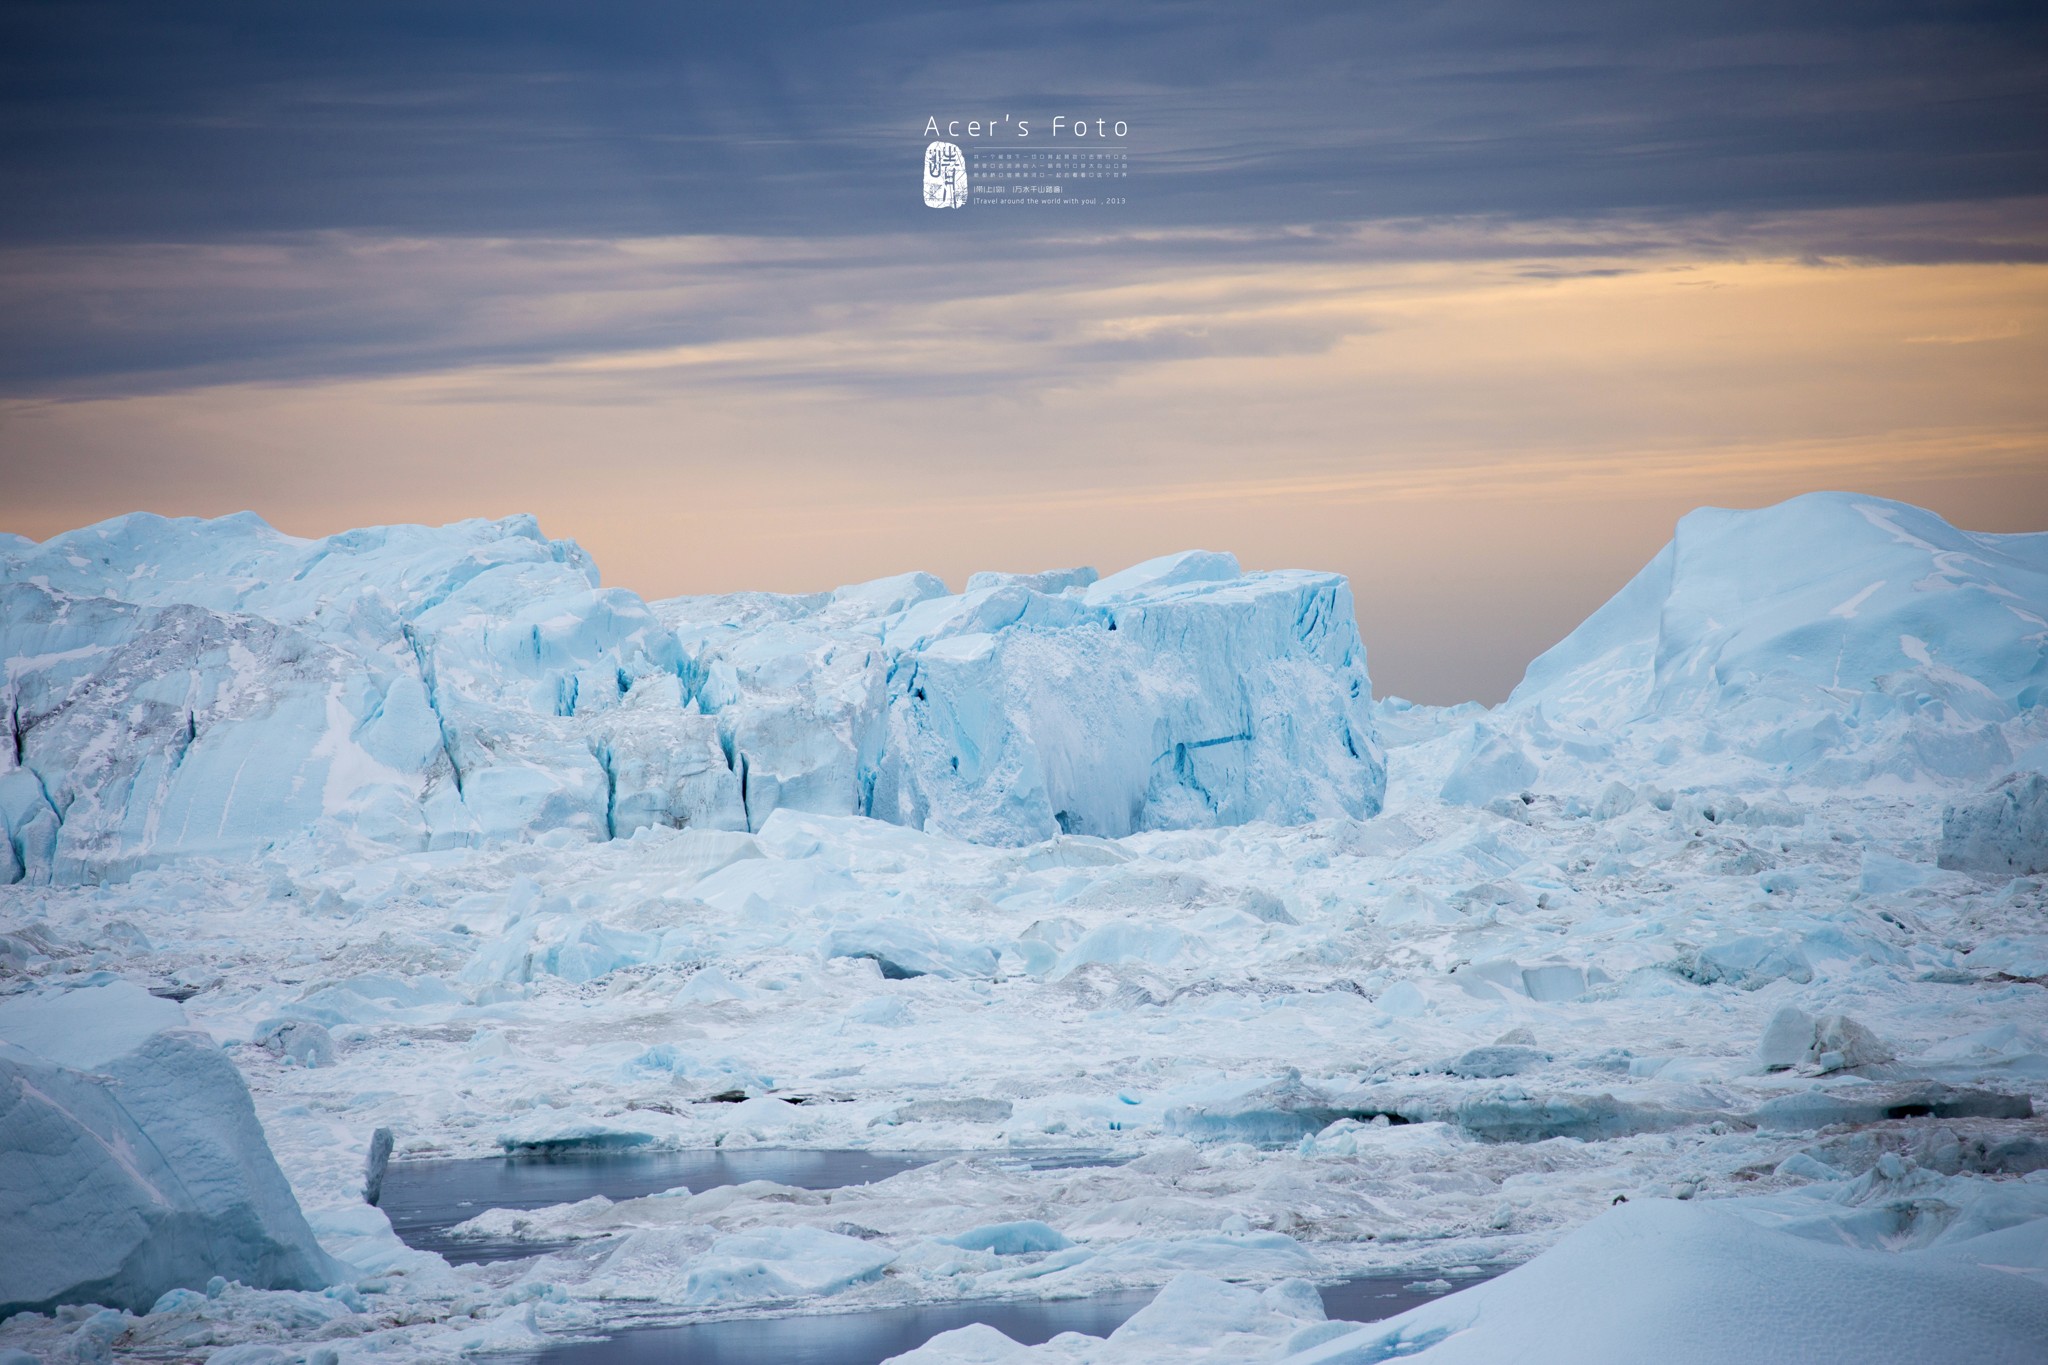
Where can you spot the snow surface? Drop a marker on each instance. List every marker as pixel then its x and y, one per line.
pixel 1671 925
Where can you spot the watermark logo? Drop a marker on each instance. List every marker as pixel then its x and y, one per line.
pixel 945 177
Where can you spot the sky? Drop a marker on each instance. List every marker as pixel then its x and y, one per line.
pixel 1467 301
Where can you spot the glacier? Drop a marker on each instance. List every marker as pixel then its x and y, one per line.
pixel 1721 943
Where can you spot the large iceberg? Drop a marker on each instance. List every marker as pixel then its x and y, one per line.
pixel 1830 640
pixel 1828 590
pixel 185 687
pixel 181 687
pixel 1181 693
pixel 135 1164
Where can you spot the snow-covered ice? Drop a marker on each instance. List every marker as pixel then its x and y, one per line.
pixel 1697 953
pixel 1695 1284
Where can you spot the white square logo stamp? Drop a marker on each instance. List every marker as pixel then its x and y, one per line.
pixel 945 177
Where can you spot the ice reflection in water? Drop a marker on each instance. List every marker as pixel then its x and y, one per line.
pixel 424 1199
pixel 865 1338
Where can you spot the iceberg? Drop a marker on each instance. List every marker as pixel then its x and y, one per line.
pixel 2004 832
pixel 1181 693
pixel 1828 590
pixel 1011 1239
pixel 180 688
pixel 1834 639
pixel 135 1164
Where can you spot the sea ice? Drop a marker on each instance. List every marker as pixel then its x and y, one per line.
pixel 1144 976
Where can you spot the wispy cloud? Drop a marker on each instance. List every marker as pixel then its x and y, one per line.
pixel 1070 305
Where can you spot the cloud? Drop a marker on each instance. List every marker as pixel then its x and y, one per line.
pixel 1073 305
pixel 131 121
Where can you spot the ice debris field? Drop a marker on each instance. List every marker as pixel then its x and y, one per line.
pixel 1704 982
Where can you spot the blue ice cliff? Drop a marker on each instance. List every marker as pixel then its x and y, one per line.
pixel 214 688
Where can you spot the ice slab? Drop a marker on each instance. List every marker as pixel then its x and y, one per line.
pixel 135 1163
pixel 2004 832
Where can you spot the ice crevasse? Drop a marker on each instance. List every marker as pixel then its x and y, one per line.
pixel 184 687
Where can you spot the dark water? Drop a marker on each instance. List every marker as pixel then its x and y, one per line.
pixel 426 1198
pixel 866 1338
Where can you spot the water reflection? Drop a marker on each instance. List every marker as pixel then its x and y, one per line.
pixel 866 1338
pixel 424 1199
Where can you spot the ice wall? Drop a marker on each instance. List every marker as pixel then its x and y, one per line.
pixel 184 687
pixel 181 687
pixel 1180 693
pixel 2003 832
